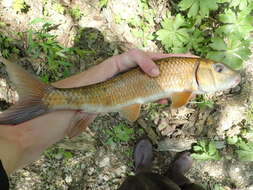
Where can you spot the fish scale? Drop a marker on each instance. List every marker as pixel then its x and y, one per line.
pixel 129 87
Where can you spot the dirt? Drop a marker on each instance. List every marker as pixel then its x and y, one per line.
pixel 95 164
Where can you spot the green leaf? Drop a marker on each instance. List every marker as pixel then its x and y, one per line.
pixel 40 20
pixel 173 35
pixel 197 148
pixel 205 150
pixel 193 11
pixel 185 4
pixel 232 140
pixel 198 7
pixel 218 44
pixel 240 24
pixel 245 155
pixel 232 51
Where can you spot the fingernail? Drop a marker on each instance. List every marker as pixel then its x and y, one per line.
pixel 155 71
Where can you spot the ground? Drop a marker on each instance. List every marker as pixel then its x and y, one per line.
pixel 101 157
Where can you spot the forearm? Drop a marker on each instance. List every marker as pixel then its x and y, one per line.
pixel 18 143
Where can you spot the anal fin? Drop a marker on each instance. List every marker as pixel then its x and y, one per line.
pixel 180 98
pixel 131 112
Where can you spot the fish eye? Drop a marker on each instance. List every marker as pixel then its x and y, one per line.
pixel 219 68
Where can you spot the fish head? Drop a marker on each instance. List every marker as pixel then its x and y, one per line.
pixel 213 76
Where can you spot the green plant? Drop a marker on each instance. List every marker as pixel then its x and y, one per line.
pixel 20 6
pixel 243 147
pixel 249 115
pixel 58 153
pixel 58 8
pixel 103 3
pixel 43 45
pixel 119 133
pixel 7 46
pixel 206 150
pixel 218 187
pixel 219 30
pixel 76 13
pixel 198 7
pixel 142 24
pixel 203 102
pixel 175 27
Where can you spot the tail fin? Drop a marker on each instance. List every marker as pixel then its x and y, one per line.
pixel 31 92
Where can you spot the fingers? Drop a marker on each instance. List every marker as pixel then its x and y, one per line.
pixel 163 101
pixel 145 63
pixel 137 57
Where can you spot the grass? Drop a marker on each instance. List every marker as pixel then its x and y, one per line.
pixel 20 6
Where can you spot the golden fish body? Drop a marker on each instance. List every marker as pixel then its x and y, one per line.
pixel 176 75
pixel 179 78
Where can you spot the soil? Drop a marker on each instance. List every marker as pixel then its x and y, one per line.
pixel 95 164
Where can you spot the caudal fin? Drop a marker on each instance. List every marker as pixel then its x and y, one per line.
pixel 30 91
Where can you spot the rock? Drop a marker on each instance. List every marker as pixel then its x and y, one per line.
pixel 83 142
pixel 231 114
pixel 175 145
pixel 68 179
pixel 7 93
pixel 105 162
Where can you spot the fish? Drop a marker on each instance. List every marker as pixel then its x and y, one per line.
pixel 180 78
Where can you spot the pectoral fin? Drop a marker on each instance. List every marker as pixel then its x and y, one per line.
pixel 131 112
pixel 180 98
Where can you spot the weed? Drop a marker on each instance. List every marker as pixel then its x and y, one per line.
pixel 203 102
pixel 58 153
pixel 249 115
pixel 59 8
pixel 219 30
pixel 43 45
pixel 142 24
pixel 7 46
pixel 20 6
pixel 206 150
pixel 76 13
pixel 119 133
pixel 218 187
pixel 103 3
pixel 243 147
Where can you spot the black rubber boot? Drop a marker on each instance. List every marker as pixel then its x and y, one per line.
pixel 143 156
pixel 179 167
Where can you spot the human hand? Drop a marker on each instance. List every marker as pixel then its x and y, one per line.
pixel 29 139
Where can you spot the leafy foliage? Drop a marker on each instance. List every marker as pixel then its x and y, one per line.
pixel 58 8
pixel 120 133
pixel 7 46
pixel 232 50
pixel 173 27
pixel 20 6
pixel 206 150
pixel 198 7
pixel 103 3
pixel 244 148
pixel 42 43
pixel 203 102
pixel 76 13
pixel 219 30
pixel 142 24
